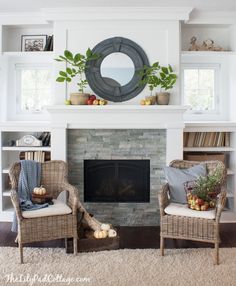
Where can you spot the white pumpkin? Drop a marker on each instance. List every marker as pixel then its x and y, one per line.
pixel 100 234
pixel 112 233
pixel 105 226
pixel 39 191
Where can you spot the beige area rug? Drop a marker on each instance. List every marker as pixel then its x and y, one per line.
pixel 118 268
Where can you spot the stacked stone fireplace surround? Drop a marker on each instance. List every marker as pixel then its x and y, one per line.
pixel 118 132
pixel 119 144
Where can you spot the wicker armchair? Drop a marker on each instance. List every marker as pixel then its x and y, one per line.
pixel 54 178
pixel 191 228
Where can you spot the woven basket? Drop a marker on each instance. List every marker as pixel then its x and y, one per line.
pixel 196 203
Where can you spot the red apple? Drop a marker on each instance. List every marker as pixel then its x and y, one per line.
pixel 92 97
pixel 200 202
pixel 90 101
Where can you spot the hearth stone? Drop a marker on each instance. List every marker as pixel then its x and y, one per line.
pixel 120 145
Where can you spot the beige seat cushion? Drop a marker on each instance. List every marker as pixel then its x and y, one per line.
pixel 58 208
pixel 183 210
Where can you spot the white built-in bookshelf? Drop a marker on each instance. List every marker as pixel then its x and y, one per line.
pixel 220 138
pixel 9 133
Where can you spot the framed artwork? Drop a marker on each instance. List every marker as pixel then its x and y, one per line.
pixel 33 43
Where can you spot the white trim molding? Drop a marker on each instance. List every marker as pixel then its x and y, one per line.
pixel 212 17
pixel 22 18
pixel 117 13
pixel 118 116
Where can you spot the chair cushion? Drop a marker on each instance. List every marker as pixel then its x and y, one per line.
pixel 183 210
pixel 58 208
pixel 177 177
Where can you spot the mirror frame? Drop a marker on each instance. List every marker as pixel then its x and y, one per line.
pixel 107 88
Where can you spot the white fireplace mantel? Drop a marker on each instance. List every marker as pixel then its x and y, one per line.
pixel 168 117
pixel 118 116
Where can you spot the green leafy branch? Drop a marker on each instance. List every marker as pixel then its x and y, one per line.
pixel 156 75
pixel 76 65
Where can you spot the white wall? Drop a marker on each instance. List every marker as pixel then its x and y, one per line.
pixel 232 87
pixel 159 39
pixel 3 88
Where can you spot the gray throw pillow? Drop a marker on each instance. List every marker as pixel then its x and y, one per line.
pixel 177 177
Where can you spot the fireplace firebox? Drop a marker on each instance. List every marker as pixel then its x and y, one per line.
pixel 117 181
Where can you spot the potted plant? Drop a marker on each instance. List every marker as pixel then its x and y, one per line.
pixel 156 75
pixel 149 76
pixel 76 65
pixel 167 79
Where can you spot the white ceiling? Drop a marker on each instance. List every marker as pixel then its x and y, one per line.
pixel 35 5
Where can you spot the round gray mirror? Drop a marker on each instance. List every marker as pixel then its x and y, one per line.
pixel 114 75
pixel 119 67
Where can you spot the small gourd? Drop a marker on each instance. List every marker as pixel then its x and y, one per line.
pixel 40 191
pixel 100 234
pixel 105 226
pixel 112 233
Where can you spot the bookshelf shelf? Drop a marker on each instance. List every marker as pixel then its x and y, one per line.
pixel 208 53
pixel 16 148
pixel 6 193
pixel 28 54
pixel 228 217
pixel 209 149
pixel 6 170
pixel 230 172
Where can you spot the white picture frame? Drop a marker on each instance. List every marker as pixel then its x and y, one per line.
pixel 33 43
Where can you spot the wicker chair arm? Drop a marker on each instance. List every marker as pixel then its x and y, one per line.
pixel 220 205
pixel 16 204
pixel 73 196
pixel 163 198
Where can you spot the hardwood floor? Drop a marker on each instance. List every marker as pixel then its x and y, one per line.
pixel 132 237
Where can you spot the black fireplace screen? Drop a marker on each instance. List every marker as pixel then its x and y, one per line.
pixel 116 180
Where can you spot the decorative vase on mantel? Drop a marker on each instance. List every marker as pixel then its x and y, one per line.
pixel 163 98
pixel 79 98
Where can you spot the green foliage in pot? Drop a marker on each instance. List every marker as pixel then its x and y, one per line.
pixel 156 75
pixel 149 76
pixel 167 78
pixel 76 65
pixel 208 187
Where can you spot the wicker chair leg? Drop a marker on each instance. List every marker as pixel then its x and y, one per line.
pixel 75 242
pixel 162 245
pixel 217 253
pixel 66 244
pixel 21 252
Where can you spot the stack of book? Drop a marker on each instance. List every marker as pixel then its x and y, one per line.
pixel 38 156
pixel 49 44
pixel 45 137
pixel 206 139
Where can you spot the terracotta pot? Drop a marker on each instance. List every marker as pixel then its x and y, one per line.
pixel 79 98
pixel 163 98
